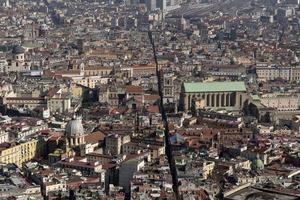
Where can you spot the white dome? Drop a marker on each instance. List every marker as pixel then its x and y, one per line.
pixel 74 127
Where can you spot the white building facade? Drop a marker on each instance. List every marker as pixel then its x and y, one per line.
pixel 287 102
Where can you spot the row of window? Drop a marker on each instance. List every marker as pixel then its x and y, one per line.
pixel 23 101
pixel 94 73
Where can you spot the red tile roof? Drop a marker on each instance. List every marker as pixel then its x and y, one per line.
pixel 94 137
pixel 151 97
pixel 153 109
pixel 134 89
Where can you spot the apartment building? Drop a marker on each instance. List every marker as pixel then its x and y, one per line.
pixel 19 153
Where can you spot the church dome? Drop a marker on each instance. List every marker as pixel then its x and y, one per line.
pixel 18 50
pixel 258 164
pixel 74 127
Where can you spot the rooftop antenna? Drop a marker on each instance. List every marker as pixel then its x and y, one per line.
pixel 168 146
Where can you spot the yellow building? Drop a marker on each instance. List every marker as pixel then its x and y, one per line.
pixel 76 91
pixel 97 71
pixel 57 101
pixel 19 153
pixel 89 81
pixel 27 102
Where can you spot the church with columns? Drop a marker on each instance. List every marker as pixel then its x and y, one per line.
pixel 75 132
pixel 227 95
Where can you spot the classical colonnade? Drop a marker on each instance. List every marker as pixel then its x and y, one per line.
pixel 75 141
pixel 217 99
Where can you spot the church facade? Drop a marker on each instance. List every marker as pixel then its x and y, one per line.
pixel 213 95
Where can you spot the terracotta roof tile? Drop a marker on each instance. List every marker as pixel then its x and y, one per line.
pixel 151 97
pixel 94 137
pixel 153 109
pixel 134 89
